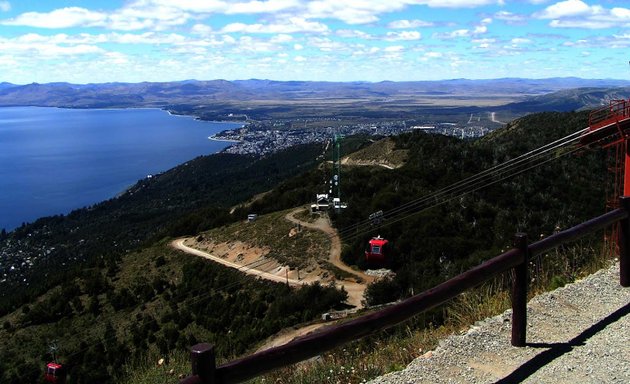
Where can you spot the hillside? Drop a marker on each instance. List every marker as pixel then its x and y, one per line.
pixel 110 270
pixel 194 196
pixel 569 100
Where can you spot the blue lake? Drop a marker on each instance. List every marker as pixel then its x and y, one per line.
pixel 55 160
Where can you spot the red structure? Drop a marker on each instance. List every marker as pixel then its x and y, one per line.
pixel 377 251
pixel 55 373
pixel 609 127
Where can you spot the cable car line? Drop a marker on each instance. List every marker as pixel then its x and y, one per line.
pixel 488 172
pixel 490 176
pixel 470 183
pixel 401 217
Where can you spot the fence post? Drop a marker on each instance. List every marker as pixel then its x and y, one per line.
pixel 519 293
pixel 624 244
pixel 203 362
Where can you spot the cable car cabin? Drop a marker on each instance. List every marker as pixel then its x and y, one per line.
pixel 55 373
pixel 377 251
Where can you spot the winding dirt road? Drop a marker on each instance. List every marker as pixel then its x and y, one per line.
pixel 247 269
pixel 334 256
pixel 355 289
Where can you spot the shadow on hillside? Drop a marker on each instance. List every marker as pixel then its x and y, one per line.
pixel 558 349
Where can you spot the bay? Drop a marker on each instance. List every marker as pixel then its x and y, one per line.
pixel 55 160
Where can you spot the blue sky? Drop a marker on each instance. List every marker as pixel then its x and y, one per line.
pixel 86 41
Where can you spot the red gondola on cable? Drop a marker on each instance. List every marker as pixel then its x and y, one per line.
pixel 377 250
pixel 55 373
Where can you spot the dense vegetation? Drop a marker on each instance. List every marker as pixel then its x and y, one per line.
pixel 435 244
pixel 147 304
pixel 106 309
pixel 185 200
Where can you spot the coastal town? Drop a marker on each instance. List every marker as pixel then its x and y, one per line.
pixel 263 138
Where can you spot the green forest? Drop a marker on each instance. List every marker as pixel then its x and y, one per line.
pixel 112 293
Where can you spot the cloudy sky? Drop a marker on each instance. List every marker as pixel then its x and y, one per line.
pixel 83 41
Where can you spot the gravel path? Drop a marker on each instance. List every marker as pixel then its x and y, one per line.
pixel 576 334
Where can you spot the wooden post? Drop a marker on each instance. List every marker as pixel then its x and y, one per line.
pixel 519 293
pixel 203 362
pixel 624 244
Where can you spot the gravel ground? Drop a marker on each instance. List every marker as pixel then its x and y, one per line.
pixel 576 334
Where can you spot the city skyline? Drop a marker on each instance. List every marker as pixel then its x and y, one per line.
pixel 323 40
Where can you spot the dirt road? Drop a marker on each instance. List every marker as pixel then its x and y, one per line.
pixel 355 290
pixel 261 269
pixel 334 256
pixel 250 269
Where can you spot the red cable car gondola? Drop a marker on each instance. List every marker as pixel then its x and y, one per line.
pixel 377 251
pixel 55 373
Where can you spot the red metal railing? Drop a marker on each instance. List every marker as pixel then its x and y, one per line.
pixel 616 111
pixel 204 370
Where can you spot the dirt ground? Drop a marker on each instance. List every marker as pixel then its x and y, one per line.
pixel 255 261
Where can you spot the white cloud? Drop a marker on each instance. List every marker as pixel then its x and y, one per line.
pixel 453 34
pixel 299 58
pixel 5 6
pixel 586 24
pixel 578 14
pixel 510 18
pixel 281 38
pixel 408 24
pixel 298 47
pixel 394 48
pixel 292 25
pixel 33 46
pixel 565 8
pixel 270 6
pixel 433 55
pixel 403 35
pixel 127 19
pixel 520 40
pixel 480 29
pixel 457 3
pixel 353 33
pixel 116 58
pixel 325 44
pixel 201 29
pixel 59 18
pixel 364 12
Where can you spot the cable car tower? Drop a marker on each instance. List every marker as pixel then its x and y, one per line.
pixel 335 182
pixel 332 199
pixel 609 128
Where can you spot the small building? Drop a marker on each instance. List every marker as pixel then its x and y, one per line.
pixel 322 203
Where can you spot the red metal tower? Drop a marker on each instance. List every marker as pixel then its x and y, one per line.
pixel 609 128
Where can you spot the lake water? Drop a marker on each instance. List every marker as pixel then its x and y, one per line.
pixel 55 160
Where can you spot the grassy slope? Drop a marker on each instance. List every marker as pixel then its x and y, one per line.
pixel 562 193
pixel 433 162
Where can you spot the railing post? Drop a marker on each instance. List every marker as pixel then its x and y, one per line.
pixel 519 293
pixel 203 362
pixel 624 244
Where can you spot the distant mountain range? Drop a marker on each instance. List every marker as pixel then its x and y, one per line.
pixel 516 94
